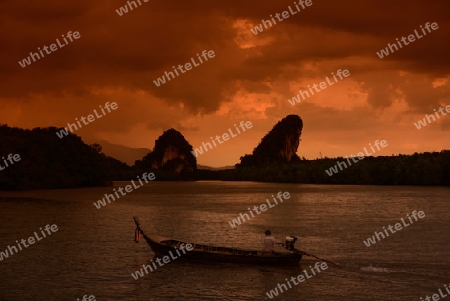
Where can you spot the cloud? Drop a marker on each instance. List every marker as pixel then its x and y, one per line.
pixel 117 59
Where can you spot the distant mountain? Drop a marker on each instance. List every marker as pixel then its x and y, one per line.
pixel 171 153
pixel 278 146
pixel 123 153
pixel 130 155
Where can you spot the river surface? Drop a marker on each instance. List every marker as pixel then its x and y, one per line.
pixel 93 252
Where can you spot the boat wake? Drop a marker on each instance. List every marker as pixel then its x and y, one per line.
pixel 372 269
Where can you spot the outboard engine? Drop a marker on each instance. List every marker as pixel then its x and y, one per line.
pixel 289 243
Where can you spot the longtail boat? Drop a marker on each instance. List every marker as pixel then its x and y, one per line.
pixel 165 246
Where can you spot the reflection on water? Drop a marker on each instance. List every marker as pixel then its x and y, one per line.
pixel 93 252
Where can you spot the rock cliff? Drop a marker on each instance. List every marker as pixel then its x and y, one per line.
pixel 279 145
pixel 172 153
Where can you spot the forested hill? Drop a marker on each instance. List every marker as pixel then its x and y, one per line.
pixel 47 161
pixel 38 159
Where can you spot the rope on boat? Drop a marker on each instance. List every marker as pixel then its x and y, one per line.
pixel 137 232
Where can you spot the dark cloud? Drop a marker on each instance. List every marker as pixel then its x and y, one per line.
pixel 117 59
pixel 133 50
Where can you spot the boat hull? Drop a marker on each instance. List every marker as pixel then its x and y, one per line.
pixel 223 254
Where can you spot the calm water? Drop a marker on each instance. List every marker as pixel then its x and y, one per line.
pixel 93 252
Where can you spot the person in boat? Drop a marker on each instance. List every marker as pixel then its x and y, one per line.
pixel 269 242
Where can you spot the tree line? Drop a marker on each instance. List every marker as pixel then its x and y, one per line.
pixel 429 168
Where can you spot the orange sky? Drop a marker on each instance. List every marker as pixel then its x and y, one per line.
pixel 250 78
